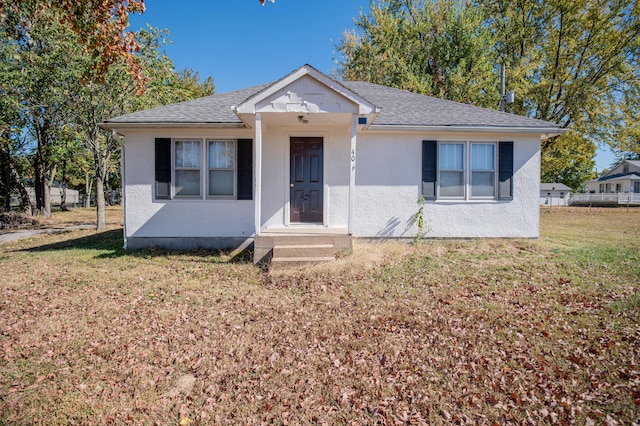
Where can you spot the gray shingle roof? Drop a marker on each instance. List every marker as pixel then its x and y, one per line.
pixel 402 108
pixel 398 108
pixel 209 109
pixel 630 175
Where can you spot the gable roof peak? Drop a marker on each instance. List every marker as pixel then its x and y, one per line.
pixel 248 105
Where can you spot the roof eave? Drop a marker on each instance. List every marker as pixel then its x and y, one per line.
pixel 545 132
pixel 110 125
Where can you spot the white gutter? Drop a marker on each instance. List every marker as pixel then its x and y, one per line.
pixel 236 111
pixel 546 131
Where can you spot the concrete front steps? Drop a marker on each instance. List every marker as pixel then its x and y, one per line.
pixel 292 248
pixel 301 254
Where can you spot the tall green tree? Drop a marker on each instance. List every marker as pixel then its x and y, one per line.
pixel 438 48
pixel 569 160
pixel 9 122
pixel 38 53
pixel 573 62
pixel 54 98
pixel 97 101
pixel 165 85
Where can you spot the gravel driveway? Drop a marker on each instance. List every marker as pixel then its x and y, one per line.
pixel 19 234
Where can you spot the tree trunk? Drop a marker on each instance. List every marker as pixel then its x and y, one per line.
pixel 44 175
pixel 27 205
pixel 101 158
pixel 48 182
pixel 38 186
pixel 100 204
pixel 63 188
pixel 107 191
pixel 87 189
pixel 5 159
pixel 63 197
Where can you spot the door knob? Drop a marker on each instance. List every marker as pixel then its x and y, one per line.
pixel 291 185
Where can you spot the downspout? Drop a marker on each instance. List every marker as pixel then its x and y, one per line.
pixel 123 198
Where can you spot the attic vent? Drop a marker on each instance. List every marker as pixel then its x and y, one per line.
pixel 362 120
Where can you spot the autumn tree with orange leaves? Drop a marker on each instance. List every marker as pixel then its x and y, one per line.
pixel 100 26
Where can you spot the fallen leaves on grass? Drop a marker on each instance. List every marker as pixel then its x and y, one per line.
pixel 15 220
pixel 472 332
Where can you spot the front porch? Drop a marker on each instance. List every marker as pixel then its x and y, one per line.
pixel 299 245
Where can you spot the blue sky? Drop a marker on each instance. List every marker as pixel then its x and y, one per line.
pixel 240 43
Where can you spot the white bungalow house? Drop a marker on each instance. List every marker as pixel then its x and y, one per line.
pixel 624 177
pixel 554 194
pixel 308 155
pixel 620 185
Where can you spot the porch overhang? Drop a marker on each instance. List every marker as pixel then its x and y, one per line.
pixel 305 91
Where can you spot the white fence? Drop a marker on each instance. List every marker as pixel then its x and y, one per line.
pixel 619 198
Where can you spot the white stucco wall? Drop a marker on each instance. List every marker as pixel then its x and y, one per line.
pixel 388 182
pixel 388 179
pixel 275 179
pixel 147 217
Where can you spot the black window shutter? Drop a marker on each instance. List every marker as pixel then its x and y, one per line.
pixel 245 169
pixel 163 168
pixel 429 169
pixel 505 171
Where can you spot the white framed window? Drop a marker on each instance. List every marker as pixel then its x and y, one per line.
pixel 451 170
pixel 483 170
pixel 221 180
pixel 467 170
pixel 207 168
pixel 187 168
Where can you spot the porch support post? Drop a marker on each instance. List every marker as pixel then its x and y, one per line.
pixel 352 174
pixel 258 173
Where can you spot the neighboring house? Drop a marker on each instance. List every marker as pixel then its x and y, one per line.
pixel 624 177
pixel 554 194
pixel 619 186
pixel 310 155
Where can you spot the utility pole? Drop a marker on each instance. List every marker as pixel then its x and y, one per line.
pixel 505 97
pixel 502 87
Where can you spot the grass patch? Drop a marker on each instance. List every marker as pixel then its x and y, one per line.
pixel 470 332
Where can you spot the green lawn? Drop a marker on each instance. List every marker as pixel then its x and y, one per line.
pixel 469 332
